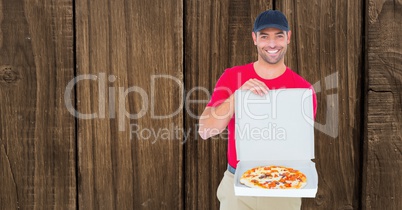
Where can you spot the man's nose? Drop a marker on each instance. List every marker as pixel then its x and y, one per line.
pixel 271 43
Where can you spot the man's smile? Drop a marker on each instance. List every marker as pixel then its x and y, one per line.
pixel 272 51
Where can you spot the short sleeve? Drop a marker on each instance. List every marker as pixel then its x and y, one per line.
pixel 222 90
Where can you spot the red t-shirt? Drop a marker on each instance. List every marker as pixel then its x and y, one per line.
pixel 233 78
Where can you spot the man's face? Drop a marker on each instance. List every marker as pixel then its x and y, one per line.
pixel 271 44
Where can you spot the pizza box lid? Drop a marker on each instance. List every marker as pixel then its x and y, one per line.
pixel 276 126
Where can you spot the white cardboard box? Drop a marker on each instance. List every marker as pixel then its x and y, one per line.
pixel 275 129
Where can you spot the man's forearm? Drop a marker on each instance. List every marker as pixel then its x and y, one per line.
pixel 215 119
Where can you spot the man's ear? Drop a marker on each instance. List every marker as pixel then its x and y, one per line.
pixel 254 35
pixel 289 35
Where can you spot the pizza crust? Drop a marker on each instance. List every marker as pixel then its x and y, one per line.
pixel 273 177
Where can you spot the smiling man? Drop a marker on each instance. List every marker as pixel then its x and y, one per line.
pixel 271 36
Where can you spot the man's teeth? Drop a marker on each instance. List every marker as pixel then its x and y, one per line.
pixel 272 51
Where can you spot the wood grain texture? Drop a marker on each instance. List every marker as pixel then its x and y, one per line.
pixel 122 165
pixel 130 59
pixel 37 144
pixel 326 49
pixel 383 159
pixel 217 36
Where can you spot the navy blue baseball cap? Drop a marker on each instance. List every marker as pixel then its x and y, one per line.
pixel 271 19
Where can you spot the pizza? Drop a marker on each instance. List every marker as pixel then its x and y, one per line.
pixel 274 177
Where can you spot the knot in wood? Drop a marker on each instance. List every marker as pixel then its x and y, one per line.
pixel 9 75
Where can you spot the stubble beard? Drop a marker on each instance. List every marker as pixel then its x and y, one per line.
pixel 269 60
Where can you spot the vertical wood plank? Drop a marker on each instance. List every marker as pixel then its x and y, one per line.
pixel 37 143
pixel 217 36
pixel 130 162
pixel 326 50
pixel 382 166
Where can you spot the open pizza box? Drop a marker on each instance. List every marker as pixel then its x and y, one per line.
pixel 275 129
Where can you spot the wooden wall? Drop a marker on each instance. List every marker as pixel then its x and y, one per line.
pixel 95 142
pixel 37 136
pixel 125 43
pixel 382 164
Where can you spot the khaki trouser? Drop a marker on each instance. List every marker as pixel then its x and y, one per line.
pixel 228 200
